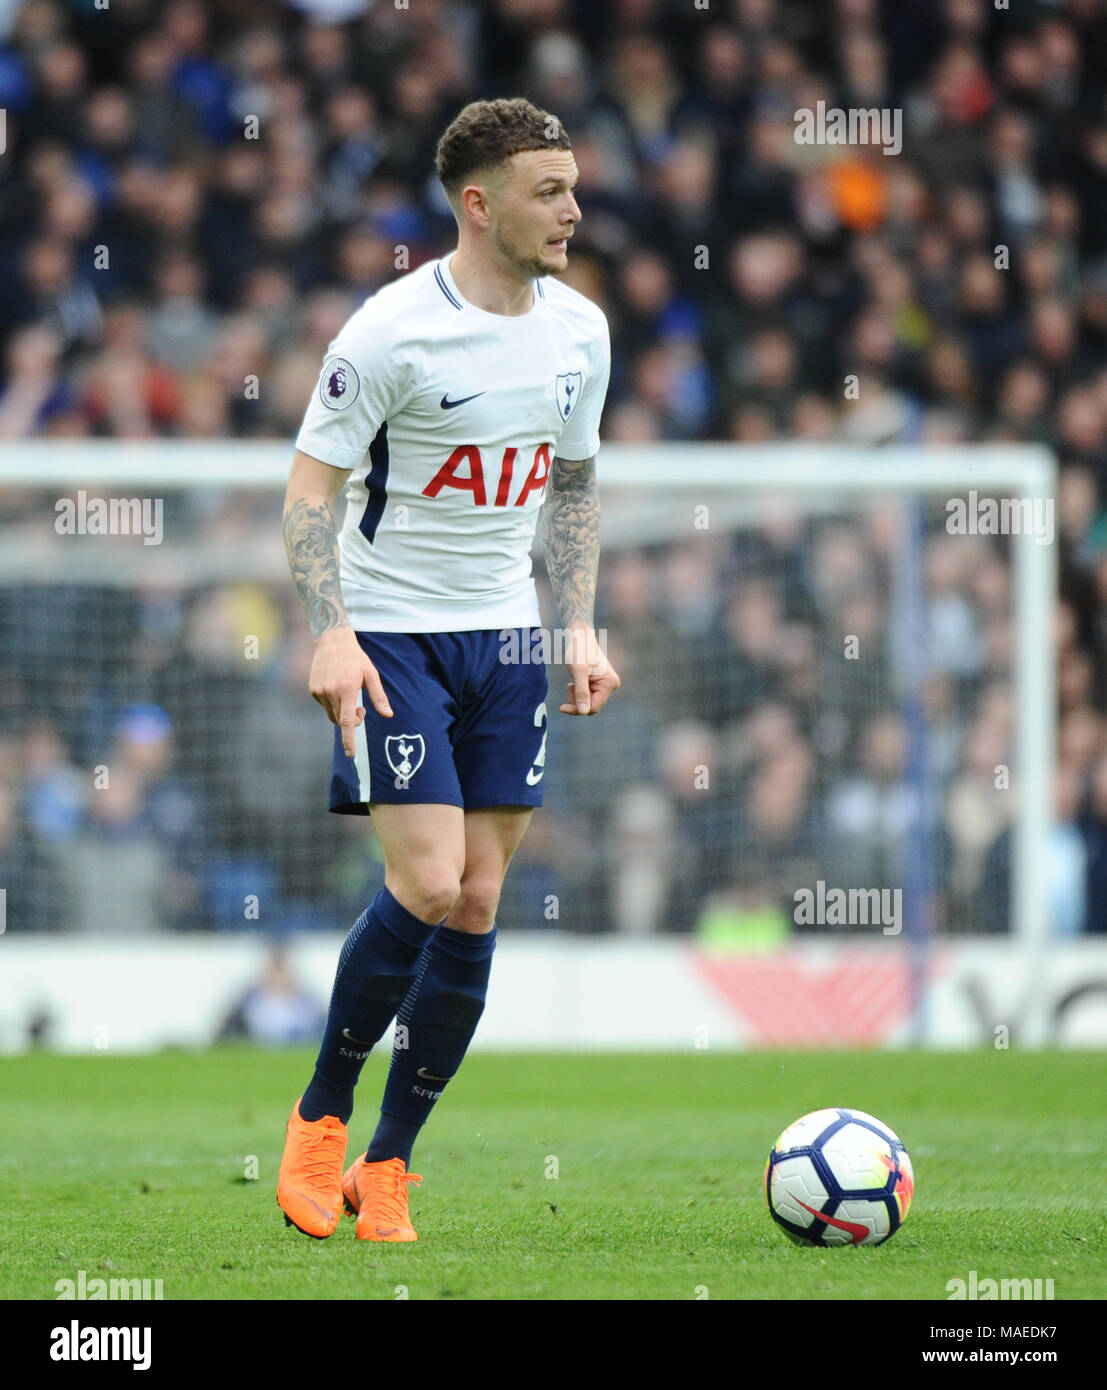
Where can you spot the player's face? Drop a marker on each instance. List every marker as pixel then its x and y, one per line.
pixel 535 212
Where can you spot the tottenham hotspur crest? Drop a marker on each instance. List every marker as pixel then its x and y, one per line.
pixel 405 754
pixel 567 390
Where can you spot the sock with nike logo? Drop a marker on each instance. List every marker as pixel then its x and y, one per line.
pixel 439 1015
pixel 375 970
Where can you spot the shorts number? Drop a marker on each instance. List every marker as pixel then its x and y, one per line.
pixel 533 778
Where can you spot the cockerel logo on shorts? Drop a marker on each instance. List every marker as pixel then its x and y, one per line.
pixel 405 754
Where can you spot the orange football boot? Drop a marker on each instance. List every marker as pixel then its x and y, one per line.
pixel 376 1193
pixel 309 1185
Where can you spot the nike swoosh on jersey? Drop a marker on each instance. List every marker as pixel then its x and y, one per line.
pixel 447 404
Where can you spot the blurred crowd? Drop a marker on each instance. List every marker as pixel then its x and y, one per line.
pixel 193 198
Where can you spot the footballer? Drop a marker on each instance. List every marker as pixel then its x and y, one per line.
pixel 455 405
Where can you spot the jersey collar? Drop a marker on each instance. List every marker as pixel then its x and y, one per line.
pixel 448 286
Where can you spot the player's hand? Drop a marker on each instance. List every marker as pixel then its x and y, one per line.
pixel 593 679
pixel 340 671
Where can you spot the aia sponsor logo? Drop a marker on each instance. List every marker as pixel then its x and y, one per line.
pixel 464 471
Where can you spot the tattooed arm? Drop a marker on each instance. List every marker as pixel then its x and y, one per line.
pixel 311 541
pixel 340 668
pixel 571 535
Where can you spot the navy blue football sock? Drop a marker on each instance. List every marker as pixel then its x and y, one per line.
pixel 434 1027
pixel 375 971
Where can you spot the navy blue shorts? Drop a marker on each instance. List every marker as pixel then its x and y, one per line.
pixel 468 724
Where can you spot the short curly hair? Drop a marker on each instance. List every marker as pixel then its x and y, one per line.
pixel 485 134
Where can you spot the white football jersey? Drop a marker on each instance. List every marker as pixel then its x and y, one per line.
pixel 450 417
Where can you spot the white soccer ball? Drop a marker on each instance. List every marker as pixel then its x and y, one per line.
pixel 839 1177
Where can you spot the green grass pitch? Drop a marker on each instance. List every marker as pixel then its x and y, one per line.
pixel 137 1168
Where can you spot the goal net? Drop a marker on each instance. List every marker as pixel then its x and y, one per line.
pixel 836 712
